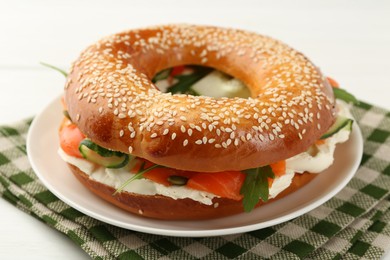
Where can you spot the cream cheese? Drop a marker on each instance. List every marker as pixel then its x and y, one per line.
pixel 319 157
pixel 281 183
pixel 116 177
pixel 322 157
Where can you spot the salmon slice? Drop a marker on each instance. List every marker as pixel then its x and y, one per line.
pixel 70 139
pixel 224 184
pixel 278 168
pixel 161 175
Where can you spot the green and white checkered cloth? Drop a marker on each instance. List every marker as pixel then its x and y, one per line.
pixel 354 224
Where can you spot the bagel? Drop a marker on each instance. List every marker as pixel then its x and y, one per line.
pixel 111 98
pixel 112 102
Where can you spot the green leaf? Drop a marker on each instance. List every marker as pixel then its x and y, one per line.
pixel 66 114
pixel 186 81
pixel 138 175
pixel 55 68
pixel 344 95
pixel 256 186
pixel 164 74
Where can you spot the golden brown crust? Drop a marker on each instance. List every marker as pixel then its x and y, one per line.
pixel 161 207
pixel 111 98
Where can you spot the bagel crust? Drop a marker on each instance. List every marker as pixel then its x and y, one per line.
pixel 162 207
pixel 110 97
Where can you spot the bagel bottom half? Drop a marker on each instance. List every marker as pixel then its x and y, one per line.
pixel 161 207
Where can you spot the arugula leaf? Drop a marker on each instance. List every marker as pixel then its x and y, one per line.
pixel 164 74
pixel 66 114
pixel 187 80
pixel 138 175
pixel 344 95
pixel 256 186
pixel 55 68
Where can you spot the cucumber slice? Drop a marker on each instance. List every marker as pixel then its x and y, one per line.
pixel 102 156
pixel 341 123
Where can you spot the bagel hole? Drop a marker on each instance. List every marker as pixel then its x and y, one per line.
pixel 200 81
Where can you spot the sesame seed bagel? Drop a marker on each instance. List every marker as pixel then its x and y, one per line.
pixel 110 96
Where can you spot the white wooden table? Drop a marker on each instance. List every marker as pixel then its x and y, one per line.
pixel 349 40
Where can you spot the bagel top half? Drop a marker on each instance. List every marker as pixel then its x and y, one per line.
pixel 110 96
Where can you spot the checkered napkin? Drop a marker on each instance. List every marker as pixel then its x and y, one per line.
pixel 353 224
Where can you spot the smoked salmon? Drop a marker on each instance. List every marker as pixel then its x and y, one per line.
pixel 224 184
pixel 70 139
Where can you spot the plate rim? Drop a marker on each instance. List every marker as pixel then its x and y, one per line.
pixel 310 205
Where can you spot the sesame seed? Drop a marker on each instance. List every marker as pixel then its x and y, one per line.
pixel 173 136
pixel 154 135
pixel 185 142
pixel 138 112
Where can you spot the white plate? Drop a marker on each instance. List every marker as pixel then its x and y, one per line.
pixel 42 145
